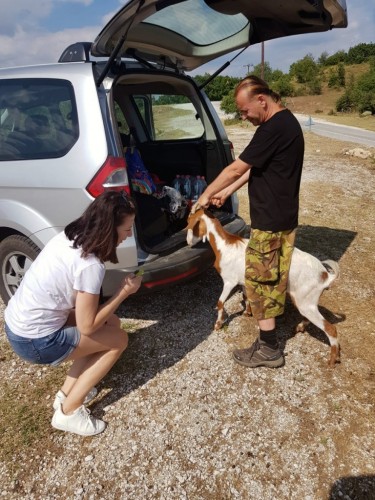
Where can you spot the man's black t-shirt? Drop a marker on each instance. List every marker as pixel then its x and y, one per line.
pixel 276 156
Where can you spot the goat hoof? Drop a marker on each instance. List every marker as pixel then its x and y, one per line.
pixel 334 356
pixel 218 325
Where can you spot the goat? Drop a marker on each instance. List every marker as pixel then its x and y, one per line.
pixel 308 276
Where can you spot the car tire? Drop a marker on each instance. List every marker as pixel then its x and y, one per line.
pixel 17 253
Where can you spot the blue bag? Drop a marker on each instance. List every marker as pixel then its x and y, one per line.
pixel 139 176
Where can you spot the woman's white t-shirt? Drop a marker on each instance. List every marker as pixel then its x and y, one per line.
pixel 48 290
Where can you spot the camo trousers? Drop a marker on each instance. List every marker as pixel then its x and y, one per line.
pixel 268 257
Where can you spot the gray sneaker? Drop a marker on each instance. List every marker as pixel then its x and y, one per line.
pixel 80 422
pixel 259 354
pixel 60 398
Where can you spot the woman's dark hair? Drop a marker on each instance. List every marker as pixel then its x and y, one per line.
pixel 255 86
pixel 96 230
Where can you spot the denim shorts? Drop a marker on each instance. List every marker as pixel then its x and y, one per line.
pixel 49 350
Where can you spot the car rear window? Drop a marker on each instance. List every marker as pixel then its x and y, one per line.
pixel 169 117
pixel 197 22
pixel 38 118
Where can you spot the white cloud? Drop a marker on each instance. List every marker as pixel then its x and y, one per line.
pixel 23 41
pixel 25 13
pixel 44 48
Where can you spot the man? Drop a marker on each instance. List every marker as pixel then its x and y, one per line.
pixel 272 166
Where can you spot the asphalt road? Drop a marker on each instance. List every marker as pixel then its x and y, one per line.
pixel 327 129
pixel 339 132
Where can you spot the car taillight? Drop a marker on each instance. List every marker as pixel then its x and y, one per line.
pixel 111 176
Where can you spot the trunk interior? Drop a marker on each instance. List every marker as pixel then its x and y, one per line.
pixel 167 131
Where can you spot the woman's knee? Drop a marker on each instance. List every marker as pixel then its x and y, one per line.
pixel 123 337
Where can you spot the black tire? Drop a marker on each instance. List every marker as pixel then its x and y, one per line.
pixel 17 253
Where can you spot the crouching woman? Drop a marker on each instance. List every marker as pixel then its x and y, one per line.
pixel 55 315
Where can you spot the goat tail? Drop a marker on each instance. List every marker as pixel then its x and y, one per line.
pixel 333 270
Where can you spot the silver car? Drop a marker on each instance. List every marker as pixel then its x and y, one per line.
pixel 121 113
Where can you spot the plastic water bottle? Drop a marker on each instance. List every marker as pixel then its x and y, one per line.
pixel 176 183
pixel 186 189
pixel 203 184
pixel 196 190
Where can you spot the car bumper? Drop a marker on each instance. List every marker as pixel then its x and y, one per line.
pixel 175 268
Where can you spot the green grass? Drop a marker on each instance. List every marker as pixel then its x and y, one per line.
pixel 25 411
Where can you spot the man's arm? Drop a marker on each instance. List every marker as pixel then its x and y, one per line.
pixel 219 198
pixel 233 176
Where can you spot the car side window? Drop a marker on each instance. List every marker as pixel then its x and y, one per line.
pixel 38 118
pixel 169 117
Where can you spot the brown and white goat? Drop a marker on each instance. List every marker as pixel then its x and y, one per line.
pixel 308 276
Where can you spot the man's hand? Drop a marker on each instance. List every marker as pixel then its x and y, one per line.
pixel 219 198
pixel 202 202
pixel 195 207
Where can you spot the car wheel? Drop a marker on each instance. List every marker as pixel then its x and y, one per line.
pixel 17 253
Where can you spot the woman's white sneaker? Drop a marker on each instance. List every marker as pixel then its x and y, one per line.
pixel 80 422
pixel 60 398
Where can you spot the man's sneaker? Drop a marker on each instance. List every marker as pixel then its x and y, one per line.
pixel 60 398
pixel 259 354
pixel 80 422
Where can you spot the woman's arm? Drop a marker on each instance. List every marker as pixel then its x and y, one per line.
pixel 90 316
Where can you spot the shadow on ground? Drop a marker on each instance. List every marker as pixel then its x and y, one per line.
pixel 324 242
pixel 355 488
pixel 170 335
pixel 191 315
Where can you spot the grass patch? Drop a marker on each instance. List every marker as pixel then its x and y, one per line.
pixel 25 409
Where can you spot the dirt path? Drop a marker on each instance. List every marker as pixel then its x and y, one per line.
pixel 184 421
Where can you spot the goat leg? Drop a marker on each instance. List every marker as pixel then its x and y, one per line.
pixel 222 315
pixel 301 327
pixel 313 315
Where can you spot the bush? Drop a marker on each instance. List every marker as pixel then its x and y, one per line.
pixel 283 86
pixel 345 103
pixel 228 104
pixel 359 96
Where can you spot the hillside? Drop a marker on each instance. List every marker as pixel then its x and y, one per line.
pixel 323 105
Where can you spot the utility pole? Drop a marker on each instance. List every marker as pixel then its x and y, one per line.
pixel 262 63
pixel 248 67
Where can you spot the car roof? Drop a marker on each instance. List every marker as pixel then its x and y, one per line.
pixel 186 34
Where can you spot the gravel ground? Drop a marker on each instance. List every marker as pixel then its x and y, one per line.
pixel 186 422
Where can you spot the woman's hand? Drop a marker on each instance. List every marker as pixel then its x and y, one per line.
pixel 130 284
pixel 90 315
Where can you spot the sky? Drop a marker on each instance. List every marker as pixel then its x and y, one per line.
pixel 37 31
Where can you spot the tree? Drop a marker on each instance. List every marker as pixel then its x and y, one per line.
pixel 360 53
pixel 323 58
pixel 218 87
pixel 305 70
pixel 338 57
pixel 267 71
pixel 359 96
pixel 283 86
pixel 278 75
pixel 337 76
pixel 228 104
pixel 364 92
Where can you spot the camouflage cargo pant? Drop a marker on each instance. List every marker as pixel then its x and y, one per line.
pixel 268 258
